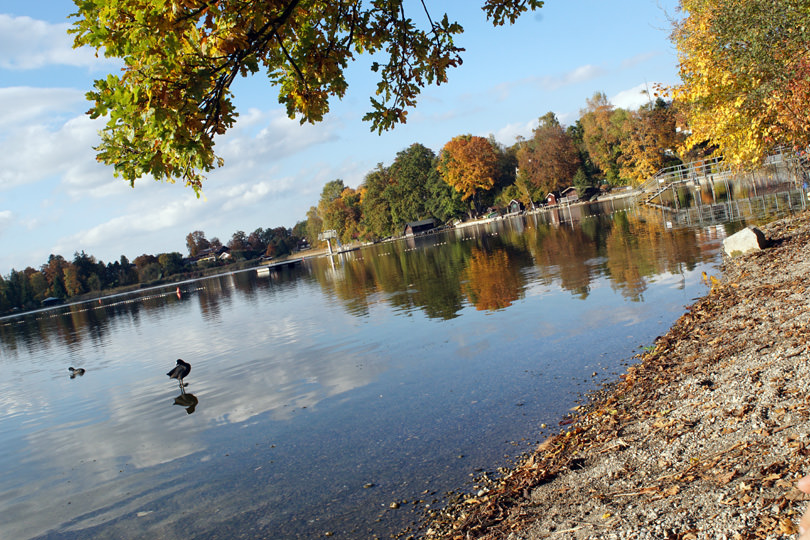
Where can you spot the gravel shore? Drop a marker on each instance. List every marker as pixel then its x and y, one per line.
pixel 704 438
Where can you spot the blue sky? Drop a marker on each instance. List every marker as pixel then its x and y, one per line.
pixel 55 197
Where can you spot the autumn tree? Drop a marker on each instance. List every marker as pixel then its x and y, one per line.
pixel 602 135
pixel 469 164
pixel 278 241
pixel 743 66
pixel 299 230
pixel 257 241
pixel 238 242
pixel 73 285
pixel 651 141
pixel 340 210
pixel 196 242
pixel 215 244
pixel 550 159
pixel 39 285
pixel 54 273
pixel 173 96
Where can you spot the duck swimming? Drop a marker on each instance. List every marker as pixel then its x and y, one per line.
pixel 180 371
pixel 74 372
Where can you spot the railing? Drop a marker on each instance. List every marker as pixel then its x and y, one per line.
pixel 783 165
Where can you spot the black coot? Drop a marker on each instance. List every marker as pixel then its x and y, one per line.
pixel 180 371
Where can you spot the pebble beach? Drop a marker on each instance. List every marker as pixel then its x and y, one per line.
pixel 704 437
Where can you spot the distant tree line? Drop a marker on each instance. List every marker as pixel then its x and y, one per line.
pixel 607 146
pixel 64 279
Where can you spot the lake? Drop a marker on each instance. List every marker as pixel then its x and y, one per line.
pixel 342 397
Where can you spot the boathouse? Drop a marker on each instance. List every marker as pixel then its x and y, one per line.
pixel 569 195
pixel 419 227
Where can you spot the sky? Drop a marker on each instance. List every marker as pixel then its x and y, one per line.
pixel 55 198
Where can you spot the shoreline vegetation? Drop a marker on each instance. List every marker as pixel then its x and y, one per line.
pixel 200 272
pixel 705 437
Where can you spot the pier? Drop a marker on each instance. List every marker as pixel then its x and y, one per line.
pixel 711 182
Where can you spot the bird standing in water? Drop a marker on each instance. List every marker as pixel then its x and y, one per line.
pixel 179 371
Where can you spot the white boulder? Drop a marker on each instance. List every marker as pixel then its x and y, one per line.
pixel 744 241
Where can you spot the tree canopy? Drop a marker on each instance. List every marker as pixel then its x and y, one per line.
pixel 180 58
pixel 744 67
pixel 549 160
pixel 469 164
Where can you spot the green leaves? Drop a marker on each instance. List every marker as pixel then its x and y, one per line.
pixel 181 56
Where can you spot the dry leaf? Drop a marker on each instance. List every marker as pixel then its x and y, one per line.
pixel 725 478
pixel 786 526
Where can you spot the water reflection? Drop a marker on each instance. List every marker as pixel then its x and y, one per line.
pixel 75 372
pixel 489 266
pixel 494 279
pixel 381 367
pixel 186 400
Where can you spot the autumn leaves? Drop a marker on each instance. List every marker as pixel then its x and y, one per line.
pixel 745 75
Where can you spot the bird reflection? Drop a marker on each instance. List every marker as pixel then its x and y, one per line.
pixel 180 371
pixel 187 401
pixel 75 372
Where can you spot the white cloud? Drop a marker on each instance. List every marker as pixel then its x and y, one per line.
pixel 639 59
pixel 6 217
pixel 252 193
pixel 145 220
pixel 21 105
pixel 575 76
pixel 27 43
pixel 509 133
pixel 35 151
pixel 633 98
pixel 504 91
pixel 270 135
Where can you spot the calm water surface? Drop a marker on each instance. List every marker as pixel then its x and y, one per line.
pixel 320 396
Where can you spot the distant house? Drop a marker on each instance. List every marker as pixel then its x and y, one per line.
pixel 419 227
pixel 569 195
pixel 514 207
pixel 551 199
pixel 210 254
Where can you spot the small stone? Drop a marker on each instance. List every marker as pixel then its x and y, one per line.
pixel 394 505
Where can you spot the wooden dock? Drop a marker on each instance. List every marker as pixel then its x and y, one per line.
pixel 264 269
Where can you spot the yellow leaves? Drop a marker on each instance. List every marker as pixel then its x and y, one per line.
pixel 468 164
pixel 786 526
pixel 737 97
